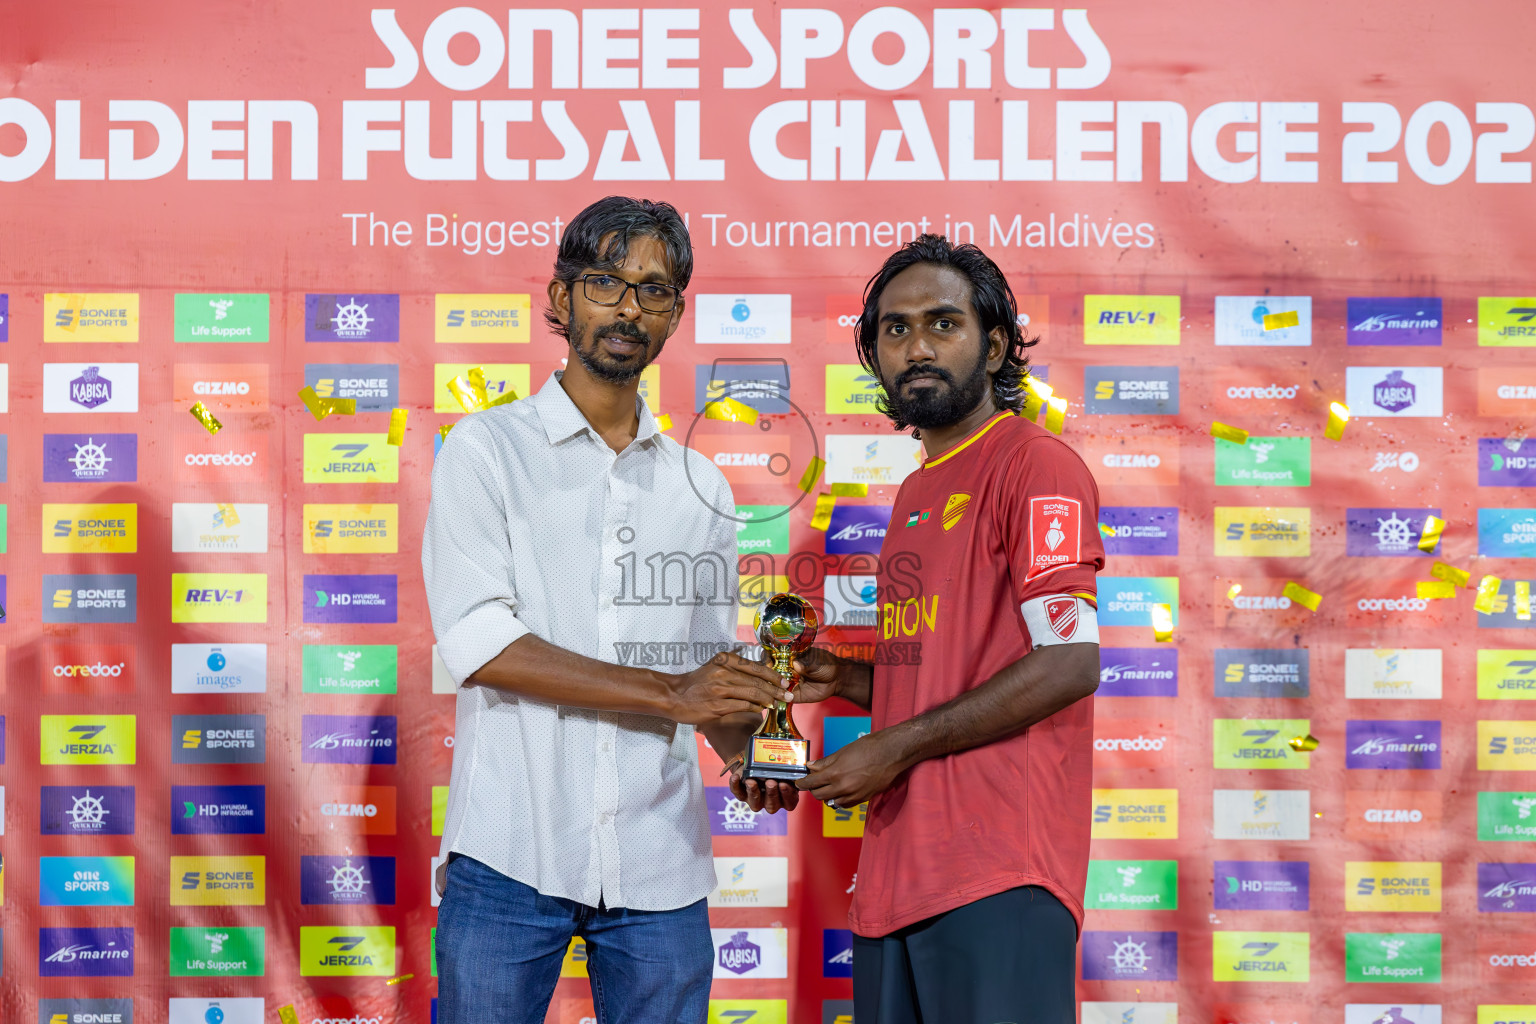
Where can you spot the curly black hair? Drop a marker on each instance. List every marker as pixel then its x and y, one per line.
pixel 618 219
pixel 991 297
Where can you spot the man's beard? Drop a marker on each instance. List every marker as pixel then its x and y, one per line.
pixel 942 404
pixel 606 366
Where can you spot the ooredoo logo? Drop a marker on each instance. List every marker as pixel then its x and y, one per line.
pixel 88 668
pixel 221 458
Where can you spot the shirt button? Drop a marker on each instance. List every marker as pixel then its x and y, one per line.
pixel 606 746
pixel 607 818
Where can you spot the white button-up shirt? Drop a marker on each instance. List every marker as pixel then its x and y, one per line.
pixel 538 526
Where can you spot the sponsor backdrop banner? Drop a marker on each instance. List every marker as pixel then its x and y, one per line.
pixel 226 741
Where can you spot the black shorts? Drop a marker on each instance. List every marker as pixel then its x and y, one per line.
pixel 1005 959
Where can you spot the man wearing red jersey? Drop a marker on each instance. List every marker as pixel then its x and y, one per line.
pixel 978 766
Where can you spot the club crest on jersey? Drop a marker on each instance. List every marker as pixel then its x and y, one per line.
pixel 1061 613
pixel 1055 534
pixel 955 508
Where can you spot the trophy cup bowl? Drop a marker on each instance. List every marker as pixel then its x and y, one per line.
pixel 785 625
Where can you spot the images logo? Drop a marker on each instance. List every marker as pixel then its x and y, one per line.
pixel 90 387
pixel 1506 888
pixel 1506 746
pixel 218 739
pixel 1138 530
pixel 92 316
pixel 1259 743
pixel 1506 323
pixel 1131 319
pixel 1506 817
pixel 763 386
pixel 851 391
pixel 90 529
pixel 1132 885
pixel 1265 814
pixel 1262 885
pixel 1261 956
pixel 85 882
pixel 374 386
pixel 1392 957
pixel 1138 672
pixel 751 952
pixel 347 881
pixel 218 597
pixel 1264 462
pixel 1410 321
pixel 347 950
pixel 218 810
pixel 87 810
pixel 352 317
pixel 1506 674
pixel 1131 390
pixel 1396 392
pixel 224 1010
pixel 1388 532
pixel 1506 532
pixel 500 380
pixel 221 952
pixel 857 529
pixel 222 317
pixel 741 319
pixel 1128 600
pixel 731 817
pixel 351 529
pixel 1391 744
pixel 1254 672
pixel 1135 814
pixel 1263 532
pixel 1127 956
pixel 1387 673
pixel 349 739
pixel 349 810
pixel 1391 886
pixel 202 528
pixel 85 952
pixel 350 458
pixel 90 458
pixel 1240 320
pixel 462 319
pixel 88 739
pixel 361 598
pixel 218 668
pixel 218 881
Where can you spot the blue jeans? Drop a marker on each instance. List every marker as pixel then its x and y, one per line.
pixel 500 944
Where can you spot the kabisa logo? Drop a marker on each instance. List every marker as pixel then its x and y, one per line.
pixel 85 1011
pixel 1506 532
pixel 347 949
pixel 1386 532
pixel 1130 956
pixel 1261 956
pixel 1131 319
pixel 89 739
pixel 90 458
pixel 351 529
pixel 352 317
pixel 739 954
pixel 857 529
pixel 1506 888
pixel 218 810
pixel 347 881
pixel 1396 321
pixel 350 458
pixel 741 319
pixel 87 810
pixel 1506 322
pixel 359 598
pixel 90 387
pixel 218 881
pixel 374 386
pixel 1392 886
pixel 85 952
pixel 1255 672
pixel 85 882
pixel 1240 320
pixel 1137 530
pixel 219 597
pixel 1138 672
pixel 218 739
pixel 1262 885
pixel 1131 390
pixel 349 739
pixel 88 667
pixel 1395 392
pixel 1391 744
pixel 482 318
pixel 1259 743
pixel 93 316
pixel 218 668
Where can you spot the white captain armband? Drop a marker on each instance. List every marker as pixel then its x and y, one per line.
pixel 1060 619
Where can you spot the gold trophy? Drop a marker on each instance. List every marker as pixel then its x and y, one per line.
pixel 785 625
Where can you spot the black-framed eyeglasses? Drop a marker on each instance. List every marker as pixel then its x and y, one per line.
pixel 608 290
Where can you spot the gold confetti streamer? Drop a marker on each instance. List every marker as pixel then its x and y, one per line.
pixel 1055 414
pixel 731 410
pixel 506 399
pixel 664 422
pixel 1451 574
pixel 812 474
pixel 403 977
pixel 288 1015
pixel 1162 622
pixel 231 517
pixel 1434 526
pixel 320 408
pixel 1434 590
pixel 1236 435
pixel 397 427
pixel 1277 321
pixel 1037 393
pixel 442 431
pixel 1107 531
pixel 1234 590
pixel 1487 594
pixel 1338 419
pixel 850 490
pixel 822 518
pixel 1303 744
pixel 1523 600
pixel 1302 596
pixel 463 391
pixel 202 415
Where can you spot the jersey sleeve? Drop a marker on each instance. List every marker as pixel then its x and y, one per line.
pixel 1050 523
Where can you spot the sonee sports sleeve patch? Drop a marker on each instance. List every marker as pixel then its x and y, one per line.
pixel 1060 619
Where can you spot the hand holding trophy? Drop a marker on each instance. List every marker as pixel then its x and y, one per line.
pixel 786 624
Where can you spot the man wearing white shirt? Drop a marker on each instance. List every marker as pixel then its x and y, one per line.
pixel 565 529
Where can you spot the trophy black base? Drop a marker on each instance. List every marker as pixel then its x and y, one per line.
pixel 774 757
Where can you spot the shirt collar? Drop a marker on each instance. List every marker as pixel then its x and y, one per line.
pixel 563 420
